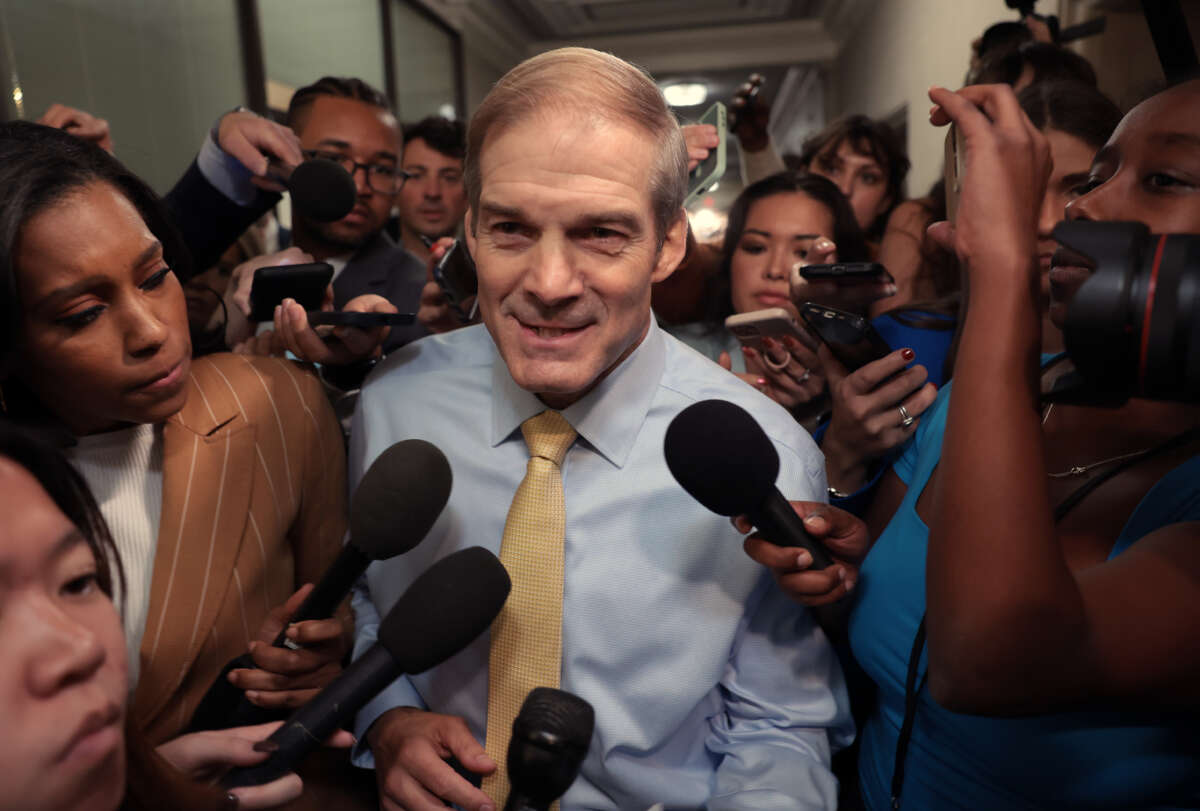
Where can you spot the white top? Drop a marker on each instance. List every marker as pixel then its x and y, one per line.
pixel 123 469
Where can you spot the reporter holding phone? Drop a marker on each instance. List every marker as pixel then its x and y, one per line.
pixel 867 428
pixel 1061 622
pixel 223 477
pixel 774 224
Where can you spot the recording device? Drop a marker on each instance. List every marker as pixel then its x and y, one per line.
pixel 321 189
pixel 722 457
pixel 775 322
pixel 349 318
pixel 1133 328
pixel 455 274
pixel 396 504
pixel 851 338
pixel 550 740
pixel 744 99
pixel 442 612
pixel 845 273
pixel 304 283
pixel 712 168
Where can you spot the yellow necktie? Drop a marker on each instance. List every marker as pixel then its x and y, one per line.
pixel 526 641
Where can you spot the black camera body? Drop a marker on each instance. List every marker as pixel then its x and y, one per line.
pixel 1132 329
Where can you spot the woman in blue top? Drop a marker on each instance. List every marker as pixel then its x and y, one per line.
pixel 867 428
pixel 1063 652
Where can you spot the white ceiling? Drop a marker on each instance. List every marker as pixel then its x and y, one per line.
pixel 563 19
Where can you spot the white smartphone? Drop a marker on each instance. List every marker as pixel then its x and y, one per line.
pixel 775 322
pixel 712 168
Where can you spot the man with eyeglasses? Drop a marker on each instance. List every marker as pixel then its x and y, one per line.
pixel 350 122
pixel 227 188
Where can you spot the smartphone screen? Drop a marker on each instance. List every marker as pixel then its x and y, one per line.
pixel 712 168
pixel 851 338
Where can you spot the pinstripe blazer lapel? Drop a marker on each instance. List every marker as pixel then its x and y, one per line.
pixel 208 449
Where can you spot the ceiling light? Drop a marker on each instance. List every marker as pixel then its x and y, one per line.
pixel 687 94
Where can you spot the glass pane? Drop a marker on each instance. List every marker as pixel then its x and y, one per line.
pixel 161 73
pixel 425 69
pixel 304 40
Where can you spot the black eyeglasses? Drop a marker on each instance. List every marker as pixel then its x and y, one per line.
pixel 381 177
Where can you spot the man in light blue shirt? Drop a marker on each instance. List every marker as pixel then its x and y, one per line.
pixel 710 688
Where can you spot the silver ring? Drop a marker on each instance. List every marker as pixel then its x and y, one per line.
pixel 906 419
pixel 802 378
pixel 774 365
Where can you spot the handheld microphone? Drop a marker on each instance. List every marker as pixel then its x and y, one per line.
pixel 550 740
pixel 722 457
pixel 321 189
pixel 395 505
pixel 441 613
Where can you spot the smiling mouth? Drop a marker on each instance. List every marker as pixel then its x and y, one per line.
pixel 550 333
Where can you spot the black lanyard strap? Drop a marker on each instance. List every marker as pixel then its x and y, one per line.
pixel 912 689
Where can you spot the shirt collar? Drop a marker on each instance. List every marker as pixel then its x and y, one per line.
pixel 609 417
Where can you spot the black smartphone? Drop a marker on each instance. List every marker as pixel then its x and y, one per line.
pixel 851 338
pixel 342 318
pixel 846 272
pixel 304 283
pixel 455 274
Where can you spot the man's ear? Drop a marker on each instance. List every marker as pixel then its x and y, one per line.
pixel 674 248
pixel 469 231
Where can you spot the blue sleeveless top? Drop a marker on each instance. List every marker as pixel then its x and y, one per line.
pixel 1072 760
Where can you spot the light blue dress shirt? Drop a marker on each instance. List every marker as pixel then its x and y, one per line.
pixel 710 687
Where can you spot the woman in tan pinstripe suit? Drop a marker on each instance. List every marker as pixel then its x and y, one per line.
pixel 223 478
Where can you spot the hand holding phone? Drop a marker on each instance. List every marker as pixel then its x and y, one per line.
pixel 845 285
pixel 304 283
pixel 712 168
pixel 774 322
pixel 851 338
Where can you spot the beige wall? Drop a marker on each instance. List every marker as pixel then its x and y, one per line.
pixel 901 49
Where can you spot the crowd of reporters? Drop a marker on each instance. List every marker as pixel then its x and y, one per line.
pixel 1008 637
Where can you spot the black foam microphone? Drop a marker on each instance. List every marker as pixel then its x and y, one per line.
pixel 550 739
pixel 442 612
pixel 722 457
pixel 321 189
pixel 395 505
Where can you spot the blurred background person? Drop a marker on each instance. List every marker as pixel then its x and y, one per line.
pixel 432 199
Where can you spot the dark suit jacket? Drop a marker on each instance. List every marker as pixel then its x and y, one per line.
pixel 209 221
pixel 384 268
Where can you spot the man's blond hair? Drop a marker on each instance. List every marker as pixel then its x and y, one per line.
pixel 595 85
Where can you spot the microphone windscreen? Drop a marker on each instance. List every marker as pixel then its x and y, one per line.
pixel 399 498
pixel 321 190
pixel 564 716
pixel 445 608
pixel 721 456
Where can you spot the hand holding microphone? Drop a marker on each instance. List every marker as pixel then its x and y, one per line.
pixel 721 456
pixel 396 504
pixel 441 613
pixel 321 190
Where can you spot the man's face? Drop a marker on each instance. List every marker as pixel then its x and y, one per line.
pixel 338 128
pixel 432 200
pixel 566 249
